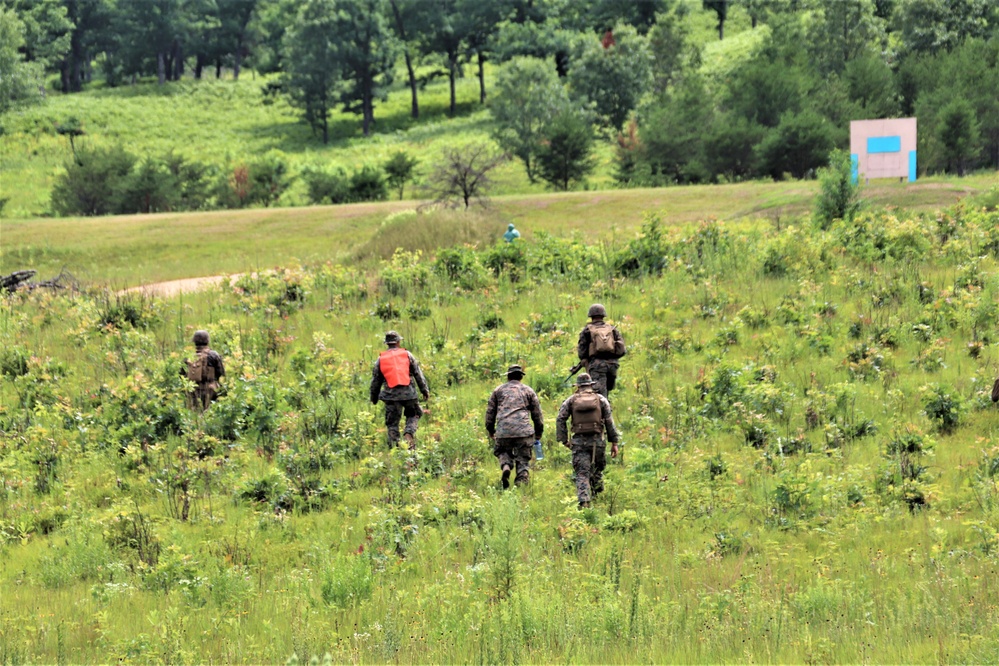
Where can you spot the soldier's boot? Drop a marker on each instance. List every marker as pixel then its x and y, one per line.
pixel 410 440
pixel 584 505
pixel 506 476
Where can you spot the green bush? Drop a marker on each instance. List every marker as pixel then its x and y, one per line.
pixel 839 196
pixel 93 182
pixel 327 186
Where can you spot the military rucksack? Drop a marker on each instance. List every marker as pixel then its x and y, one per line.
pixel 199 370
pixel 587 417
pixel 602 341
pixel 995 391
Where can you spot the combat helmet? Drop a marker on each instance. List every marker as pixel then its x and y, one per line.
pixel 596 310
pixel 200 338
pixel 392 338
pixel 584 379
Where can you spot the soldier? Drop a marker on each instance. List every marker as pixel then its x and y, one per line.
pixel 513 408
pixel 511 234
pixel 396 369
pixel 205 369
pixel 599 348
pixel 591 416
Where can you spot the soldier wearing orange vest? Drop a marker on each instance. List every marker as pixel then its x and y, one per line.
pixel 392 380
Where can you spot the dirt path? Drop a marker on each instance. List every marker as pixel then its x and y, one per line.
pixel 175 287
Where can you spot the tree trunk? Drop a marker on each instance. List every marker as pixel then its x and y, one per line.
pixel 64 75
pixel 199 64
pixel 161 67
pixel 218 68
pixel 168 64
pixel 451 73
pixel 482 78
pixel 721 29
pixel 178 60
pixel 239 61
pixel 366 106
pixel 400 26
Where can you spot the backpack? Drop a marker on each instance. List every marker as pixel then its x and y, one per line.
pixel 587 417
pixel 199 370
pixel 602 341
pixel 995 391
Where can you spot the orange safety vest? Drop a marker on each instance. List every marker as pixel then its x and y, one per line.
pixel 394 364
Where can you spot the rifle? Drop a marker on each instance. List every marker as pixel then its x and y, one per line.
pixel 572 371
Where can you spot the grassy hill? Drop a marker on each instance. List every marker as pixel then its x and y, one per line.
pixel 810 469
pixel 148 248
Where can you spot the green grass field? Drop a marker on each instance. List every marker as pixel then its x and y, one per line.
pixel 140 249
pixel 810 469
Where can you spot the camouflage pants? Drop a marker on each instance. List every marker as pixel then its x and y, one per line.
pixel 202 397
pixel 394 411
pixel 515 452
pixel 588 462
pixel 604 373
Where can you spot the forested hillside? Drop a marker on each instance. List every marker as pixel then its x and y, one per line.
pixel 314 100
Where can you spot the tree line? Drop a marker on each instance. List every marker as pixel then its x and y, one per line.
pixel 567 73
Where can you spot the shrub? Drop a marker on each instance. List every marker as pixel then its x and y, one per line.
pixel 838 195
pixel 327 186
pixel 92 182
pixel 399 170
pixel 346 581
pixel 368 184
pixel 943 406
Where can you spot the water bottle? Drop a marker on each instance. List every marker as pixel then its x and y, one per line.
pixel 538 453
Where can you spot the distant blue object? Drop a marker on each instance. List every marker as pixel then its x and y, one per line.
pixel 884 144
pixel 511 234
pixel 538 453
pixel 912 166
pixel 854 168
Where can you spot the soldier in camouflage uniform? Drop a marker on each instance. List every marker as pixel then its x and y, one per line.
pixel 601 363
pixel 514 421
pixel 591 417
pixel 392 379
pixel 205 369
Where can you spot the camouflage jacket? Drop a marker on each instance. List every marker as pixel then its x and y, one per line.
pixel 565 412
pixel 214 360
pixel 583 346
pixel 511 410
pixel 380 390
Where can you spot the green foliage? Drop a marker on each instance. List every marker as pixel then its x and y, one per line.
pixel 399 170
pixel 839 196
pixel 19 83
pixel 943 406
pixel 565 156
pixel 612 78
pixel 528 97
pixel 92 183
pixel 799 145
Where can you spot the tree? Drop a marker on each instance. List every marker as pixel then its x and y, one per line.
pixel 462 175
pixel 730 147
pixel 46 31
pixel 234 33
pixel 670 48
pixel 928 26
pixel 672 133
pixel 314 63
pixel 843 31
pixel 402 18
pixel 92 182
pixel 763 89
pixel 443 35
pixel 479 21
pixel 720 8
pixel 959 134
pixel 565 155
pixel 839 196
pixel 146 33
pixel 528 96
pixel 399 169
pixel 798 145
pixel 18 79
pixel 367 51
pixel 93 30
pixel 612 77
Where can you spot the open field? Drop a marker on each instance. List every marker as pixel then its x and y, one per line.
pixel 810 469
pixel 126 251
